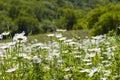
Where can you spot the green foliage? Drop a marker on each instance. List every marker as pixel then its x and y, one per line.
pixel 103 19
pixel 81 24
pixel 106 23
pixel 69 18
pixel 47 26
pixel 7 24
pixel 93 16
pixel 14 12
pixel 29 25
pixel 67 14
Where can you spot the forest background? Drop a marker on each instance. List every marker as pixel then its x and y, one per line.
pixel 41 16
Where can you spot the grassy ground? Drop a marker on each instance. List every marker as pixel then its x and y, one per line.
pixel 68 34
pixel 43 37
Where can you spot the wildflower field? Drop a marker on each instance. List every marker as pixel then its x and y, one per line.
pixel 60 58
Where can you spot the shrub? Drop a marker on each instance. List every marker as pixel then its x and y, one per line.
pixel 102 20
pixel 106 23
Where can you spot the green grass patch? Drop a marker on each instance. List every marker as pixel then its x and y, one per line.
pixel 44 37
pixel 68 34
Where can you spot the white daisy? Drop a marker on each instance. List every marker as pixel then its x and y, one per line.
pixel 20 37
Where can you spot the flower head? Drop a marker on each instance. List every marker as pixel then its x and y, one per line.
pixel 20 37
pixel 61 30
pixel 50 35
pixel 5 33
pixel 35 59
pixel 12 69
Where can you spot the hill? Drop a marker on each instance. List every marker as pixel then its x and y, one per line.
pixel 41 16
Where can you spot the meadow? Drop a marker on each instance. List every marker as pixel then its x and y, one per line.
pixel 60 58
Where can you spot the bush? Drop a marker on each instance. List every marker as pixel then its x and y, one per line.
pixel 101 21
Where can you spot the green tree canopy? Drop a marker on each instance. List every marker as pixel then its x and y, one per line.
pixel 103 19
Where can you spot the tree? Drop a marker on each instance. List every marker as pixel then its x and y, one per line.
pixel 102 21
pixel 29 25
pixel 69 18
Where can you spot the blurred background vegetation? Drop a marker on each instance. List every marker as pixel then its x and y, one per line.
pixel 41 16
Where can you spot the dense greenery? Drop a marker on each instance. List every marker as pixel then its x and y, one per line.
pixel 39 16
pixel 104 19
